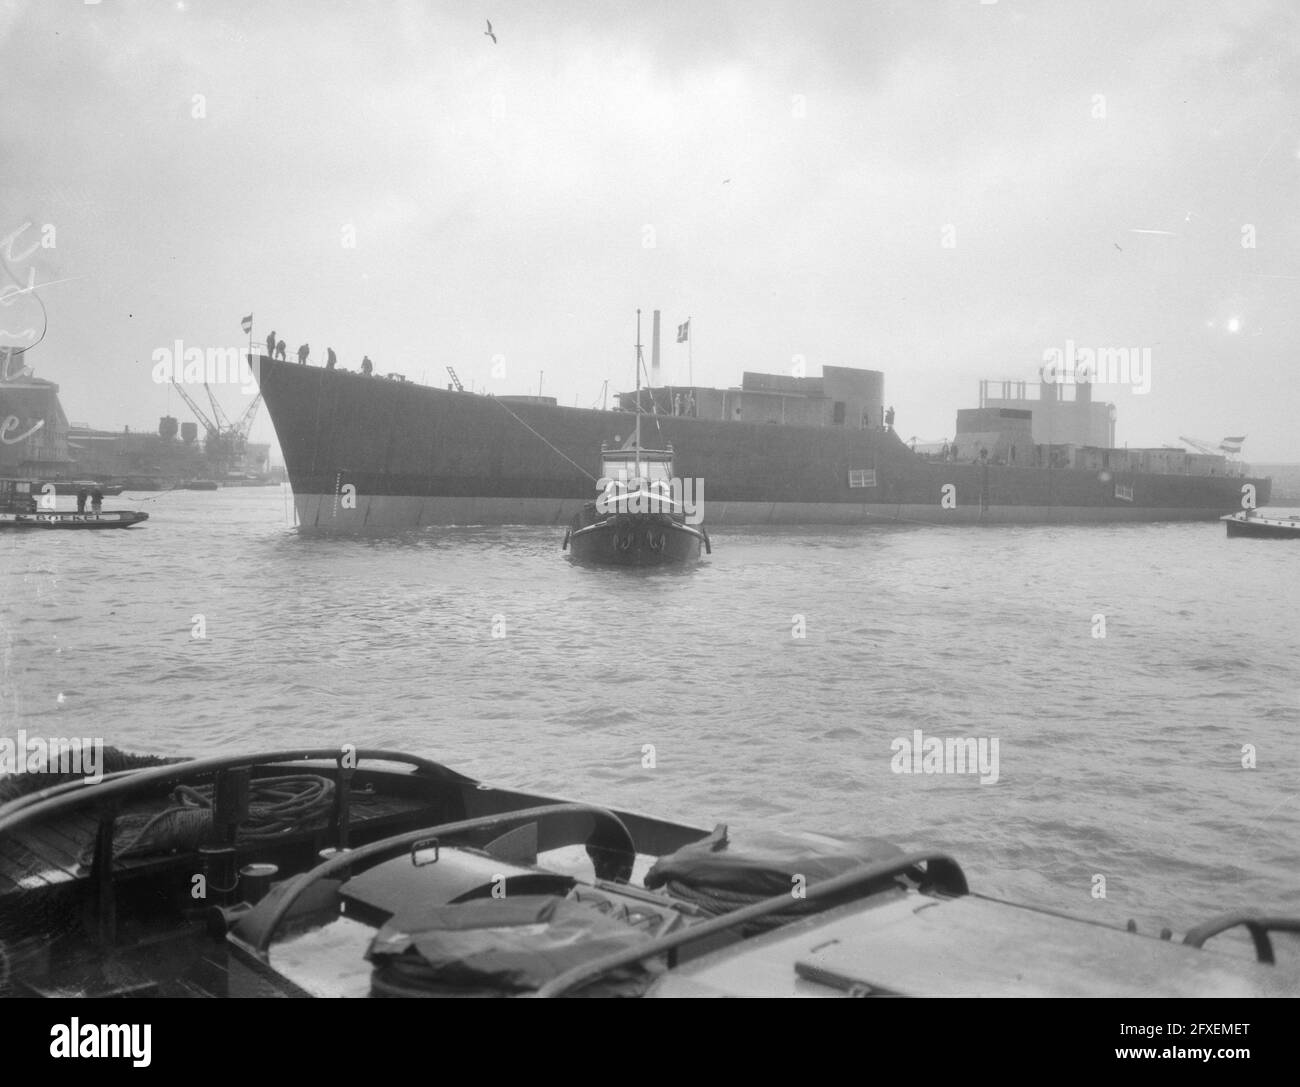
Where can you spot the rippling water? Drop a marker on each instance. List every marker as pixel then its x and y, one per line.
pixel 482 647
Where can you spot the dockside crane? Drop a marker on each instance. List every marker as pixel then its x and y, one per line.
pixel 210 428
pixel 240 429
pixel 223 423
pixel 225 441
pixel 1207 447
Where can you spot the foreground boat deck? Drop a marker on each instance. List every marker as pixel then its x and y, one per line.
pixel 296 874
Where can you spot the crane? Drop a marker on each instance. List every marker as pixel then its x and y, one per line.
pixel 1207 447
pixel 225 440
pixel 220 416
pixel 208 425
pixel 241 428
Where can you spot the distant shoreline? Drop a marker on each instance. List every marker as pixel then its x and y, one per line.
pixel 1286 482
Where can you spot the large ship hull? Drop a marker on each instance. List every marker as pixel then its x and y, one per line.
pixel 368 453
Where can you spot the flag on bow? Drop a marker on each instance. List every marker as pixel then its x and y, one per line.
pixel 248 323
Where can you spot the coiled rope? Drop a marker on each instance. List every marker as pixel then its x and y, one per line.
pixel 276 806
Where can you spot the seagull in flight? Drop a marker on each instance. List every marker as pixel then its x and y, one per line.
pixel 489 33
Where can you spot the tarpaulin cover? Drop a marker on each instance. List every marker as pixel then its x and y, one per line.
pixel 495 946
pixel 765 863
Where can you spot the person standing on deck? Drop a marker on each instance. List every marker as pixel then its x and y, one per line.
pixel 303 351
pixel 270 345
pixel 367 367
pixel 889 418
pixel 330 359
pixel 96 499
pixel 82 495
pixel 279 350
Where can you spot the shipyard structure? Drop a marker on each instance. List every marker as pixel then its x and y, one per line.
pixel 38 442
pixel 366 452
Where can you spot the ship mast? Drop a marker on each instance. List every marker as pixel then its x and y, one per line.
pixel 637 440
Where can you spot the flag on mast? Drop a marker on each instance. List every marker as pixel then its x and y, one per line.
pixel 684 331
pixel 248 323
pixel 1232 445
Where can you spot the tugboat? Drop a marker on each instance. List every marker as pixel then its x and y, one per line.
pixel 19 509
pixel 643 515
pixel 1262 523
pixel 635 521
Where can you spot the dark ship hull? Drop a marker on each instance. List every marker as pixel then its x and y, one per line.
pixel 633 540
pixel 368 453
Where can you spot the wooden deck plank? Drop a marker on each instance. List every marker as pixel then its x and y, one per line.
pixel 53 852
pixel 75 832
pixel 25 870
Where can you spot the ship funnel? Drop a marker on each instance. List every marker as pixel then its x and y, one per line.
pixel 654 354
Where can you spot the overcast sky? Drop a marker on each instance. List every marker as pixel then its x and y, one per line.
pixel 941 190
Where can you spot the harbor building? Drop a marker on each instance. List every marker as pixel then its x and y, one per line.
pixel 33 427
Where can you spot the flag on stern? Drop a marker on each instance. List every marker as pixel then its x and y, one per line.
pixel 248 323
pixel 1232 445
pixel 684 331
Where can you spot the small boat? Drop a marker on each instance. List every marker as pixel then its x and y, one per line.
pixel 1263 524
pixel 643 514
pixel 334 872
pixel 19 508
pixel 72 519
pixel 636 521
pixel 199 485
